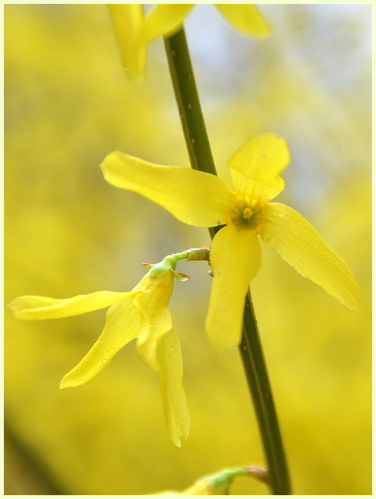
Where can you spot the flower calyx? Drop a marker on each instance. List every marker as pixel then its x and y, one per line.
pixel 170 262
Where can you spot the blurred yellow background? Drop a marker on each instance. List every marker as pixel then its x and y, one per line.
pixel 68 103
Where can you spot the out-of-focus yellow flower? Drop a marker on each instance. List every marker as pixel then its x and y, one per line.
pixel 218 483
pixel 135 30
pixel 141 313
pixel 204 200
pixel 128 22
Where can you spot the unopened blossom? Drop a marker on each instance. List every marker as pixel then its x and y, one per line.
pixel 135 29
pixel 204 200
pixel 141 313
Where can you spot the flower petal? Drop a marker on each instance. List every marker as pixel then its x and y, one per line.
pixel 256 164
pixel 158 346
pixel 246 18
pixel 156 318
pixel 152 329
pixel 122 325
pixel 294 238
pixel 235 258
pixel 172 391
pixel 193 197
pixel 128 22
pixel 165 19
pixel 41 307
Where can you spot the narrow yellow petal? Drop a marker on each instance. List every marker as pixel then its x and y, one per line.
pixel 246 18
pixel 256 165
pixel 151 330
pixel 122 325
pixel 172 391
pixel 235 258
pixel 41 307
pixel 294 238
pixel 158 346
pixel 165 19
pixel 193 197
pixel 128 22
pixel 156 318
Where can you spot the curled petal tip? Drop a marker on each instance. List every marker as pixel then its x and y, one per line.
pixel 180 276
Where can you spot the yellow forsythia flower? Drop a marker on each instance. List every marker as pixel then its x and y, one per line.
pixel 219 483
pixel 141 313
pixel 135 30
pixel 204 200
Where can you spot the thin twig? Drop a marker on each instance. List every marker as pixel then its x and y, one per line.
pixel 250 348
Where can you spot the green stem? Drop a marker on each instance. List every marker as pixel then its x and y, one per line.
pixel 191 116
pixel 192 119
pixel 201 158
pixel 258 382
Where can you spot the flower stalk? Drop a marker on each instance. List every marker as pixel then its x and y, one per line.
pixel 201 158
